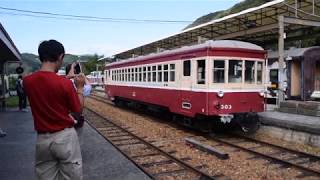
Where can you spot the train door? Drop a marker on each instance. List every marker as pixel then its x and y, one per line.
pixel 295 90
pixel 316 92
pixel 106 76
pixel 317 78
pixel 186 87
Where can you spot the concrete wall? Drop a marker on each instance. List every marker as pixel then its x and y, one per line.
pixel 291 135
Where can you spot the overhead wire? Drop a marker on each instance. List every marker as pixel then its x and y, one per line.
pixel 63 18
pixel 42 14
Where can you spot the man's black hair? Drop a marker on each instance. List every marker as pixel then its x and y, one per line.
pixel 19 77
pixel 50 50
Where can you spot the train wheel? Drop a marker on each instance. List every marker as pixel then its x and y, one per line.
pixel 118 102
pixel 249 122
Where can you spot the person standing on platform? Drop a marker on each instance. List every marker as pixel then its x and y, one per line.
pixel 52 99
pixel 21 94
pixel 72 70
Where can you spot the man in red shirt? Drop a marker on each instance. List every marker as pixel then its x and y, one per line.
pixel 52 98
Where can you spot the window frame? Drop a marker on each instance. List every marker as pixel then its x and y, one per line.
pixel 203 72
pixel 245 69
pixel 186 73
pixel 224 71
pixel 242 71
pixel 174 72
pixel 159 73
pixel 154 73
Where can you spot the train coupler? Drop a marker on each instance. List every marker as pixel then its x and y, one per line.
pixel 226 118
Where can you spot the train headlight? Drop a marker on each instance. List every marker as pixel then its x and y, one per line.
pixel 262 93
pixel 220 94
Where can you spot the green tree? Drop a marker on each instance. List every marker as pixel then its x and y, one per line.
pixel 92 64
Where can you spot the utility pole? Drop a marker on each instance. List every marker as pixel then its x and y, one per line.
pixel 281 60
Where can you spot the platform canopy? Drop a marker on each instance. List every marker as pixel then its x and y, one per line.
pixel 259 25
pixel 8 51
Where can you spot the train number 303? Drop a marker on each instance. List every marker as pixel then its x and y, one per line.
pixel 226 106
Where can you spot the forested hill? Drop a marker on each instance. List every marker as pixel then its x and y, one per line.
pixel 234 9
pixel 31 62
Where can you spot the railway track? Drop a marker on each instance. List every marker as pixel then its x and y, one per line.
pixel 155 162
pixel 307 164
pixel 101 99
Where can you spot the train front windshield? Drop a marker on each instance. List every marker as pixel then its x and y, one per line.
pixel 234 71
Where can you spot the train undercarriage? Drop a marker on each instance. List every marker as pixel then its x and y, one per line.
pixel 248 123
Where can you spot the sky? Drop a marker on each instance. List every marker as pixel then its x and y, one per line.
pixel 105 37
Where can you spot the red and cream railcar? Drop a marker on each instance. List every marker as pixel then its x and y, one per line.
pixel 217 78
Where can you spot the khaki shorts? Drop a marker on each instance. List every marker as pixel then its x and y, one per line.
pixel 58 156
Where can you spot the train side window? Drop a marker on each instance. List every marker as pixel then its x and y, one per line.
pixel 154 73
pixel 159 73
pixel 136 75
pixel 149 73
pixel 165 73
pixel 117 75
pixel 126 75
pixel 122 79
pixel 187 68
pixel 201 71
pixel 144 74
pixel 235 71
pixel 132 74
pixel 122 74
pixel 259 72
pixel 249 71
pixel 140 74
pixel 218 71
pixel 172 72
pixel 112 75
pixel 129 75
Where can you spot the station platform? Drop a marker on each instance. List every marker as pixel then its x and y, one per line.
pixel 310 124
pixel 100 159
pixel 293 127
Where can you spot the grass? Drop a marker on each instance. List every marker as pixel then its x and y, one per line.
pixel 12 101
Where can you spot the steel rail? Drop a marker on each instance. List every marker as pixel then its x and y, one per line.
pixel 281 161
pixel 185 165
pixel 300 153
pixel 124 154
pixel 306 155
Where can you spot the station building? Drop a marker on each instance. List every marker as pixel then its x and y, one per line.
pixel 302 75
pixel 8 54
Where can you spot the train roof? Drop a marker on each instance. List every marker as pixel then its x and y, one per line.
pixel 208 44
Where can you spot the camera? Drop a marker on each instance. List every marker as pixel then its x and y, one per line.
pixel 77 68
